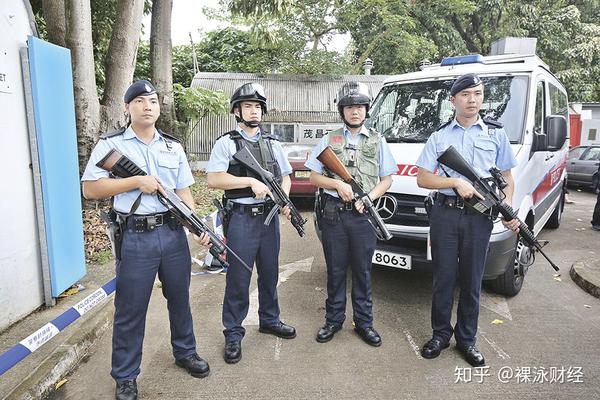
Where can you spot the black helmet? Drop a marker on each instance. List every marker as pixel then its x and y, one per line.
pixel 249 92
pixel 353 93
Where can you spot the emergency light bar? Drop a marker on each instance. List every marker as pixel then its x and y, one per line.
pixel 469 59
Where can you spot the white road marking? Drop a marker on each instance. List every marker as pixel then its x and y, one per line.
pixel 412 343
pixel 285 272
pixel 501 353
pixel 496 304
pixel 277 349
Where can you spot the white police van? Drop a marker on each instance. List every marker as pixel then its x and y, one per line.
pixel 521 93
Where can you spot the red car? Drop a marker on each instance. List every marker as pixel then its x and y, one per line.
pixel 297 156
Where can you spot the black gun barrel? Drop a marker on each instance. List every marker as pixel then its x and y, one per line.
pixel 382 231
pixel 509 214
pixel 281 199
pixel 122 167
pixel 453 159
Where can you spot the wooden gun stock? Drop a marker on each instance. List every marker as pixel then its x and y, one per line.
pixel 333 163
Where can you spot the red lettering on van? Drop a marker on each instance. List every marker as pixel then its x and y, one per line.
pixel 407 170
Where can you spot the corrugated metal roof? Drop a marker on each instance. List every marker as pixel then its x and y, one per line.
pixel 290 99
pixel 289 92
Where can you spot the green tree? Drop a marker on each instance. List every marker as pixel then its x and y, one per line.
pixel 193 104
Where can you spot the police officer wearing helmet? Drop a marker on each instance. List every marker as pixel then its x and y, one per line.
pixel 153 241
pixel 247 204
pixel 460 236
pixel 347 236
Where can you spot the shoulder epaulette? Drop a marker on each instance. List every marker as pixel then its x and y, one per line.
pixel 374 131
pixel 267 135
pixel 493 123
pixel 170 137
pixel 443 125
pixel 233 134
pixel 112 134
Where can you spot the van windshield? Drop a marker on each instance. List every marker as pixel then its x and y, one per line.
pixel 411 112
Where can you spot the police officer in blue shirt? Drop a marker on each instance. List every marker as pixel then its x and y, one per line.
pixel 247 204
pixel 347 237
pixel 153 241
pixel 460 236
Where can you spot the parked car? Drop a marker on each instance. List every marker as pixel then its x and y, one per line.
pixel 297 156
pixel 583 166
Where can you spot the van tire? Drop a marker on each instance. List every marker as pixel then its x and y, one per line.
pixel 554 221
pixel 511 281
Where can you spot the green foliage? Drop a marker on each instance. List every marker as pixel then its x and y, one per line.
pixel 397 34
pixel 198 101
pixel 193 104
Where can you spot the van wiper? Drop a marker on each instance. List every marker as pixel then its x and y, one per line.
pixel 404 140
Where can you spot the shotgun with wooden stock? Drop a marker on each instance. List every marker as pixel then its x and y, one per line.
pixel 333 163
pixel 120 166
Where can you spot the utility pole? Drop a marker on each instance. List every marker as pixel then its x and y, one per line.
pixel 194 58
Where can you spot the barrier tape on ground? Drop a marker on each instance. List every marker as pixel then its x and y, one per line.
pixel 31 343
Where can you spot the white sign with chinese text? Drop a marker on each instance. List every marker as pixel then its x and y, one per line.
pixel 312 133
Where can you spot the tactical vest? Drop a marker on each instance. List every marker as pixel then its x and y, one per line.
pixel 365 167
pixel 262 150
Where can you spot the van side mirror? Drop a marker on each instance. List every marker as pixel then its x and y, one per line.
pixel 540 142
pixel 556 130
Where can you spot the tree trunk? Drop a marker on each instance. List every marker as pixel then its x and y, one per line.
pixel 120 62
pixel 161 61
pixel 87 107
pixel 56 23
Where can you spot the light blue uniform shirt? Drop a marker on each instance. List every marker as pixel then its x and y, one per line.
pixel 170 166
pixel 224 149
pixel 481 145
pixel 387 164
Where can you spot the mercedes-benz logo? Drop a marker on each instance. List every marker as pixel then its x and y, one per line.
pixel 386 206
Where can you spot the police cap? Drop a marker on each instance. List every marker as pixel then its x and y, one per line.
pixel 139 88
pixel 463 82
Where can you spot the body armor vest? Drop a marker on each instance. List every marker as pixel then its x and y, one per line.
pixel 362 162
pixel 262 150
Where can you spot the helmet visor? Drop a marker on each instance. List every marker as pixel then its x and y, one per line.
pixel 250 90
pixel 354 93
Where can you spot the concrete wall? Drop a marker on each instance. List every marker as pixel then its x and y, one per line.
pixel 21 288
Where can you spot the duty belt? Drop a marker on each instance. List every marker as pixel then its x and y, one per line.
pixel 454 202
pixel 449 201
pixel 147 223
pixel 341 205
pixel 253 209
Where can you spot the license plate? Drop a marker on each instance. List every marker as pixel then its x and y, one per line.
pixel 392 259
pixel 302 174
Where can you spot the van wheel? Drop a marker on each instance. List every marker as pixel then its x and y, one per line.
pixel 511 281
pixel 554 221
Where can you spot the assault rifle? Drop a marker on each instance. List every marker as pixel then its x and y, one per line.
pixel 281 199
pixel 491 199
pixel 333 163
pixel 119 165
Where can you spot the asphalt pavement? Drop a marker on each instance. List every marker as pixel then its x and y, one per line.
pixel 542 343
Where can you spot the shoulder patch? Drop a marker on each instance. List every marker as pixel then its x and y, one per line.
pixel 442 126
pixel 112 134
pixel 493 123
pixel 170 137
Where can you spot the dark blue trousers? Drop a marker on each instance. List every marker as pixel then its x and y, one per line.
pixel 596 214
pixel 253 242
pixel 459 244
pixel 349 241
pixel 166 252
